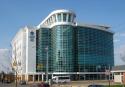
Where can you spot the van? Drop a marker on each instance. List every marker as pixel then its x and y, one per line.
pixel 61 79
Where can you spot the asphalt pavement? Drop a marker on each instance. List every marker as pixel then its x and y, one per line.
pixel 12 85
pixel 72 84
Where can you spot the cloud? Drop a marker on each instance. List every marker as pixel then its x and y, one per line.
pixel 119 38
pixel 116 40
pixel 5 61
pixel 122 52
pixel 120 34
pixel 120 55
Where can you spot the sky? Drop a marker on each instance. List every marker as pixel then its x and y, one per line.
pixel 15 14
pixel 5 64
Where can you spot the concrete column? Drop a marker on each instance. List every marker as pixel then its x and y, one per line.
pixel 61 17
pixel 42 77
pixel 21 77
pixel 26 77
pixel 56 18
pixel 52 76
pixel 33 78
pixel 67 16
pixel 84 76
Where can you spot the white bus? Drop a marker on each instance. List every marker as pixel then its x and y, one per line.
pixel 61 79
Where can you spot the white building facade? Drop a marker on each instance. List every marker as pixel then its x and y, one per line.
pixel 24 52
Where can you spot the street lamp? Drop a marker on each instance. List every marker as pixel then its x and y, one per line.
pixel 46 63
pixel 108 72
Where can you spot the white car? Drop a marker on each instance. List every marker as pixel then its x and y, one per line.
pixel 61 79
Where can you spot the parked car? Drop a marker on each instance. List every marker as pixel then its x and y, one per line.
pixel 96 85
pixel 61 79
pixel 7 81
pixel 43 85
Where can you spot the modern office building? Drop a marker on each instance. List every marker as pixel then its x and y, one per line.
pixel 66 47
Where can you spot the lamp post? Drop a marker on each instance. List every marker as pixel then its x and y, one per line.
pixel 46 63
pixel 109 75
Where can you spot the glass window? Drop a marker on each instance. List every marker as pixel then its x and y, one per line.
pixel 69 18
pixel 64 78
pixel 31 33
pixel 117 73
pixel 64 17
pixel 73 19
pixel 59 17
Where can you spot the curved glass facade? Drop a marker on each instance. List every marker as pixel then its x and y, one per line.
pixel 62 43
pixel 75 49
pixel 95 49
pixel 42 42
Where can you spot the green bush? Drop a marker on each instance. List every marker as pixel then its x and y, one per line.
pixel 115 86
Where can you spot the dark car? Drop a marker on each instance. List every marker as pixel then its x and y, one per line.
pixel 96 86
pixel 43 85
pixel 7 81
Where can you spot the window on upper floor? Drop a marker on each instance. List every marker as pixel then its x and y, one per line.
pixel 69 18
pixel 59 17
pixel 64 17
pixel 31 33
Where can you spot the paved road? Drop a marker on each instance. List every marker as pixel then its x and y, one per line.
pixel 12 85
pixel 72 84
pixel 84 83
